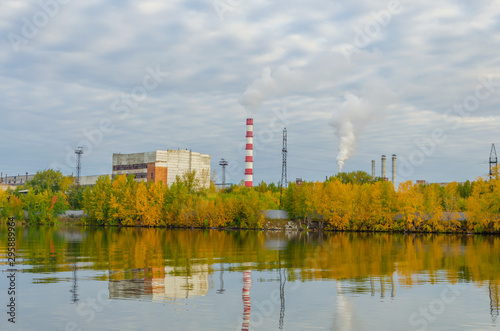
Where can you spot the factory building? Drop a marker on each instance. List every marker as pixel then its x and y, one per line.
pixel 15 180
pixel 160 284
pixel 5 187
pixel 163 165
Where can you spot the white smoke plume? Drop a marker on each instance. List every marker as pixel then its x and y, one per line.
pixel 348 121
pixel 325 74
pixel 281 81
pixel 316 76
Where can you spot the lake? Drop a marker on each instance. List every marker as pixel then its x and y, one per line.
pixel 72 278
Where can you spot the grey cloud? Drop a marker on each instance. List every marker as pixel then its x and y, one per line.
pixel 66 78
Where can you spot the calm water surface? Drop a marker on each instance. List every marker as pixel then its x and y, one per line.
pixel 145 279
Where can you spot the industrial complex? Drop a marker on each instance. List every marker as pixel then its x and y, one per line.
pixel 383 174
pixel 163 166
pixel 160 165
pixel 166 165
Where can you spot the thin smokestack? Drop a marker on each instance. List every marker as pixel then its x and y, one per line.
pixel 383 167
pixel 394 170
pixel 373 169
pixel 249 154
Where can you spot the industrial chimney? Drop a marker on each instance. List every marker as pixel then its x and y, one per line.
pixel 383 167
pixel 249 154
pixel 373 169
pixel 394 170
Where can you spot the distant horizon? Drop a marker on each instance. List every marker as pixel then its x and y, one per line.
pixel 237 183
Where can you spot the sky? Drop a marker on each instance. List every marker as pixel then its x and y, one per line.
pixel 350 80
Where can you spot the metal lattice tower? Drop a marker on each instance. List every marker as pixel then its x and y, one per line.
pixel 78 152
pixel 223 163
pixel 493 159
pixel 284 181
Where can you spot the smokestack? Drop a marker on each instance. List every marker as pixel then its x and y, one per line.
pixel 373 169
pixel 249 154
pixel 383 167
pixel 394 170
pixel 247 306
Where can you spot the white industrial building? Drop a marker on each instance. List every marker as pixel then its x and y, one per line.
pixel 163 166
pixel 15 180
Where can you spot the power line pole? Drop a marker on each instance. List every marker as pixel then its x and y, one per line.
pixel 78 152
pixel 224 164
pixel 284 180
pixel 493 160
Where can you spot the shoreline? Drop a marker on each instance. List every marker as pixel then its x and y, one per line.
pixel 313 226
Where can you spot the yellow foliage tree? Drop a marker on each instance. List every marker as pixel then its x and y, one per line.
pixel 410 206
pixel 477 206
pixel 433 208
pixel 122 200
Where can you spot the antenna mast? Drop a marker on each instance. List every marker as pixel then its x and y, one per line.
pixel 224 164
pixel 78 152
pixel 284 180
pixel 493 159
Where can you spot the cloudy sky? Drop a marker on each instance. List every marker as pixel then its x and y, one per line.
pixel 351 81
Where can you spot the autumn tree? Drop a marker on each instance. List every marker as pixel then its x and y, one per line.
pixel 433 208
pixel 122 203
pixel 337 204
pixel 44 207
pixel 355 177
pixel 48 180
pixel 410 207
pixel 10 205
pixel 97 202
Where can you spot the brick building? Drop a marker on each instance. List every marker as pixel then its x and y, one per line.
pixel 163 165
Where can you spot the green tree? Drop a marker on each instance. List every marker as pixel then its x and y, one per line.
pixel 189 181
pixel 44 207
pixel 10 205
pixel 355 177
pixel 97 201
pixel 75 197
pixel 48 180
pixel 465 189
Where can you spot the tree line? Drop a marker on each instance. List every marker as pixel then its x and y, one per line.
pixel 348 201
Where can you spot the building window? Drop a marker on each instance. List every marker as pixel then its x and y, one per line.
pixel 130 166
pixel 152 175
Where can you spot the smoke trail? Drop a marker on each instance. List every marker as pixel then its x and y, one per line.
pixel 349 120
pixel 268 85
pixel 316 79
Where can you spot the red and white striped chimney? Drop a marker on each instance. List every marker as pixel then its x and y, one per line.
pixel 249 154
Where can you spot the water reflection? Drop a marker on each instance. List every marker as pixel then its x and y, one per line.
pixel 282 273
pixel 221 289
pixel 159 284
pixel 160 265
pixel 247 306
pixel 382 281
pixel 493 290
pixel 305 256
pixel 345 315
